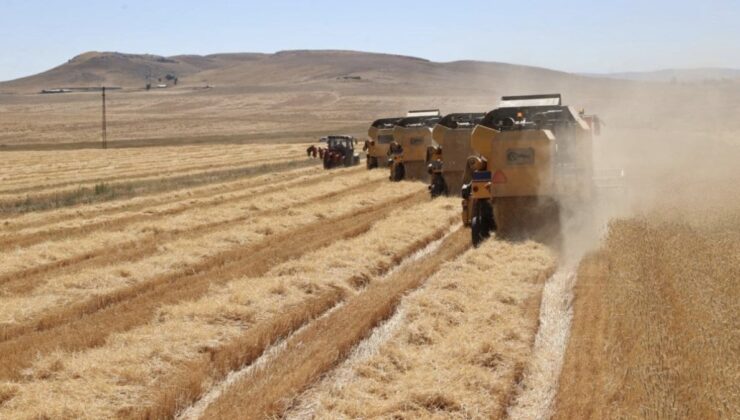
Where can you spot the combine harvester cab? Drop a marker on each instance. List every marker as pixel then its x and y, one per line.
pixel 447 160
pixel 340 151
pixel 380 136
pixel 530 155
pixel 412 136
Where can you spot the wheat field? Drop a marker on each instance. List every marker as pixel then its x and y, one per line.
pixel 245 281
pixel 157 282
pixel 655 330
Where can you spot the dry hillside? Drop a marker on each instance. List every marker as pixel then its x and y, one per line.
pixel 297 95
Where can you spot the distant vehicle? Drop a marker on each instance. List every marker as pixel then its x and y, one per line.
pixel 412 135
pixel 340 151
pixel 447 160
pixel 380 136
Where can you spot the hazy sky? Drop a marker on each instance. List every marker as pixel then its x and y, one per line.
pixel 578 36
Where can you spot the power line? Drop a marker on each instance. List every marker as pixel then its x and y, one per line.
pixel 105 125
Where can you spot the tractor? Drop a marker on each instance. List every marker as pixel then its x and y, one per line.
pixel 446 162
pixel 530 155
pixel 407 154
pixel 380 136
pixel 340 151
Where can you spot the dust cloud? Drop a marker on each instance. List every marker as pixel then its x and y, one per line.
pixel 667 153
pixel 666 149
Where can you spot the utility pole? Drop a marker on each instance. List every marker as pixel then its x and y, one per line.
pixel 105 125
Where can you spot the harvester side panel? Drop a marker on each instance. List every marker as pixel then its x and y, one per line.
pixel 382 138
pixel 523 158
pixel 526 160
pixel 455 145
pixel 414 141
pixel 456 149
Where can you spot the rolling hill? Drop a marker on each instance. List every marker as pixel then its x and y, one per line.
pixel 678 75
pixel 132 71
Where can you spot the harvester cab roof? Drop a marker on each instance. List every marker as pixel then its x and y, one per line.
pixel 462 120
pixel 530 112
pixel 420 118
pixel 423 113
pixel 346 142
pixel 385 122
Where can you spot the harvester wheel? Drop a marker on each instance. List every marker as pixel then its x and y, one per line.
pixel 438 186
pixel 399 172
pixel 482 223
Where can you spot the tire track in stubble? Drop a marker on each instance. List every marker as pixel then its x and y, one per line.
pixel 88 324
pixel 127 190
pixel 127 176
pixel 8 242
pixel 25 281
pixel 186 385
pixel 164 198
pixel 325 342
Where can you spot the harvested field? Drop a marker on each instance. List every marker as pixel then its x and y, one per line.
pixel 203 267
pixel 152 302
pixel 457 350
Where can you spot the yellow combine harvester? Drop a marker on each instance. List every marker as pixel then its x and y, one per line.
pixel 447 160
pixel 380 136
pixel 529 156
pixel 411 138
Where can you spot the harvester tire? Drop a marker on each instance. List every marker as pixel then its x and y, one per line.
pixel 438 186
pixel 372 162
pixel 483 222
pixel 399 172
